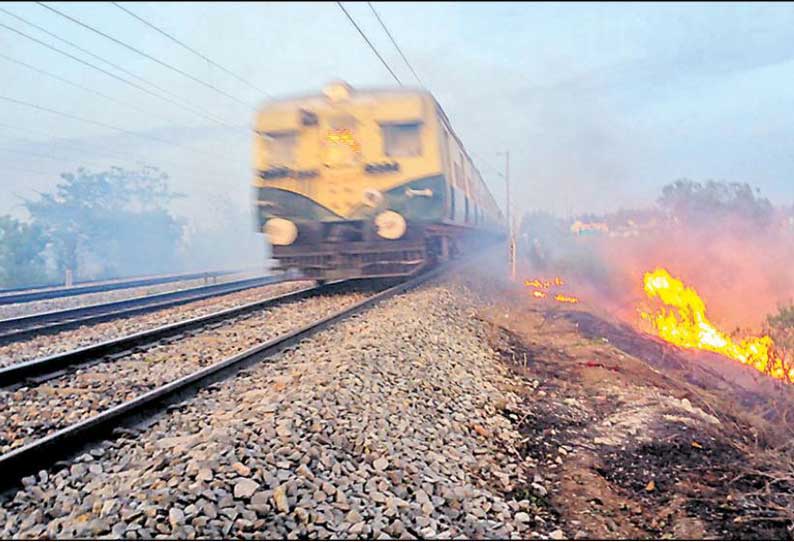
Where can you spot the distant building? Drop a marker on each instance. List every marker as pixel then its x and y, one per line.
pixel 589 228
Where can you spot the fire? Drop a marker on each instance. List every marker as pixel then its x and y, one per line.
pixel 683 322
pixel 566 299
pixel 545 284
pixel 539 285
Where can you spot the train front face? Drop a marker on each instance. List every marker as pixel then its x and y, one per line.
pixel 347 183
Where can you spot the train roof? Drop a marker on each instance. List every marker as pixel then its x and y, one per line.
pixel 354 92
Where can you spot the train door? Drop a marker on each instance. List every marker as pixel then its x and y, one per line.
pixel 466 211
pixel 448 173
pixel 458 184
pixel 341 158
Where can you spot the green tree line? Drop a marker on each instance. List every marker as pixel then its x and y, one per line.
pixel 95 224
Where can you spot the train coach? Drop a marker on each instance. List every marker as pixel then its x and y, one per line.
pixel 373 183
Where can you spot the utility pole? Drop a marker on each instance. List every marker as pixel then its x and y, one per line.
pixel 510 228
pixel 507 191
pixel 511 241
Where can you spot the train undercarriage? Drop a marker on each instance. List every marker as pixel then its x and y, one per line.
pixel 348 250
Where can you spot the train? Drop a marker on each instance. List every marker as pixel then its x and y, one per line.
pixel 354 183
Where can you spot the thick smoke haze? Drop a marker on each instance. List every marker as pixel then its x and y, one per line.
pixel 743 277
pixel 733 247
pixel 599 104
pixel 215 208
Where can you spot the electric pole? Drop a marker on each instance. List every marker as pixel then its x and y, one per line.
pixel 510 228
pixel 507 191
pixel 511 241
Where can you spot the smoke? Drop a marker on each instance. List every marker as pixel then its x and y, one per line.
pixel 728 243
pixel 210 227
pixel 224 237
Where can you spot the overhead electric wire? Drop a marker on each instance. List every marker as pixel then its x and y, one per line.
pixel 185 104
pixel 394 42
pixel 488 164
pixel 26 170
pixel 92 147
pixel 100 150
pixel 81 87
pixel 39 155
pixel 146 55
pixel 79 162
pixel 101 124
pixel 114 76
pixel 185 46
pixel 407 63
pixel 55 142
pixel 369 42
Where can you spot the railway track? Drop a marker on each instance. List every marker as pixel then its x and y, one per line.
pixel 15 329
pixel 26 295
pixel 73 439
pixel 39 370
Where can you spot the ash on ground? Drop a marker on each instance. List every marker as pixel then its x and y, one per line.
pixel 637 439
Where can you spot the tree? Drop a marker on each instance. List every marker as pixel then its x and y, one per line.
pixel 116 219
pixel 706 203
pixel 21 253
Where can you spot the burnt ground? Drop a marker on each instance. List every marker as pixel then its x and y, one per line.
pixel 632 438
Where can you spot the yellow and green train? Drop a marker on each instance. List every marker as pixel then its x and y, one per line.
pixel 366 184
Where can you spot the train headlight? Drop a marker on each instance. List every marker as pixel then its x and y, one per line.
pixel 390 225
pixel 281 231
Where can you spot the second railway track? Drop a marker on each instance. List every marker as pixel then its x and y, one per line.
pixel 15 329
pixel 39 369
pixel 108 398
pixel 46 406
pixel 26 295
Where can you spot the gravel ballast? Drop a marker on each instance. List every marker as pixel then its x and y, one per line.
pixel 385 426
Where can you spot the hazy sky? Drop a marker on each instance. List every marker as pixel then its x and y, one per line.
pixel 599 104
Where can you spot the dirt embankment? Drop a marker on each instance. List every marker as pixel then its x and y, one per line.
pixel 636 439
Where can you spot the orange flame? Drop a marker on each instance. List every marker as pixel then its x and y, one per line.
pixel 541 284
pixel 545 284
pixel 683 322
pixel 566 299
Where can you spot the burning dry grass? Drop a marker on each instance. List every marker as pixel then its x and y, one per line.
pixel 668 443
pixel 683 321
pixel 671 350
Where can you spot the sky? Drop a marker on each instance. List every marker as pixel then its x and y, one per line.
pixel 598 104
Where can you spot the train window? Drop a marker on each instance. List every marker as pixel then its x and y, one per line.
pixel 444 146
pixel 466 210
pixel 400 140
pixel 460 180
pixel 281 147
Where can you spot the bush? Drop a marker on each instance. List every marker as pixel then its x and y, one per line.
pixel 21 253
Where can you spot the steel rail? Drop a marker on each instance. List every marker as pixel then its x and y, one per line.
pixel 70 441
pixel 26 295
pixel 14 329
pixel 42 368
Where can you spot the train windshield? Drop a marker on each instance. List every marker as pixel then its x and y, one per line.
pixel 401 140
pixel 281 147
